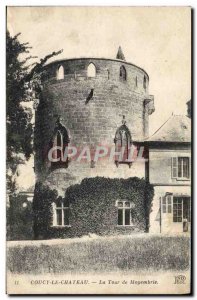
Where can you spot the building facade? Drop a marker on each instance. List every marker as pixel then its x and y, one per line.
pixel 169 167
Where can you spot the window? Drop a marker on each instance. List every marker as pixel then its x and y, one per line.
pixel 144 83
pixel 167 204
pixel 136 81
pixel 181 167
pixel 61 212
pixel 60 73
pixel 177 209
pixel 123 73
pixel 91 71
pixel 181 209
pixel 122 144
pixel 108 74
pixel 59 144
pixel 124 213
pixel 187 209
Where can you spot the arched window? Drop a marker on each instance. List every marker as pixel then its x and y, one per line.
pixel 144 82
pixel 60 73
pixel 91 71
pixel 59 144
pixel 123 73
pixel 61 212
pixel 122 144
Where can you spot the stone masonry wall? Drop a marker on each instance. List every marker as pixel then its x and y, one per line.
pixel 94 123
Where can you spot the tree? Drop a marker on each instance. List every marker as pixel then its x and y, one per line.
pixel 23 83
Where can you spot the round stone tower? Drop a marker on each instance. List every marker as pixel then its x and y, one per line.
pixel 89 99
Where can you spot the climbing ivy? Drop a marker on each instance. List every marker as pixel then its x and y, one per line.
pixel 93 207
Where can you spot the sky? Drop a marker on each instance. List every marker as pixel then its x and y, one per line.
pixel 158 39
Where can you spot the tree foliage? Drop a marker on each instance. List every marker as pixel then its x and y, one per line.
pixel 23 84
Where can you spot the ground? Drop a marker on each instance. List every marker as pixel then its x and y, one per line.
pixel 99 254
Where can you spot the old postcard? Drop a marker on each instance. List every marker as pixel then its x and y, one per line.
pixel 98 150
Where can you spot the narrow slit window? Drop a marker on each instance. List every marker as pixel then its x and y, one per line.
pixel 136 81
pixel 145 82
pixel 108 74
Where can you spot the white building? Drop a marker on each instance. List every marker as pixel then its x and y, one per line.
pixel 169 170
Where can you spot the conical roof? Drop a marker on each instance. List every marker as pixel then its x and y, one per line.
pixel 120 54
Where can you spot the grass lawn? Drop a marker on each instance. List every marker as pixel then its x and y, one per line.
pixel 125 253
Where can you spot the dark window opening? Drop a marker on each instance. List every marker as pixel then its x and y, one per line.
pixel 123 73
pixel 108 74
pixel 144 83
pixel 120 217
pixel 136 81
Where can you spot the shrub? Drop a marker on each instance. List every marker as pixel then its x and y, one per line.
pixel 19 218
pixel 42 209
